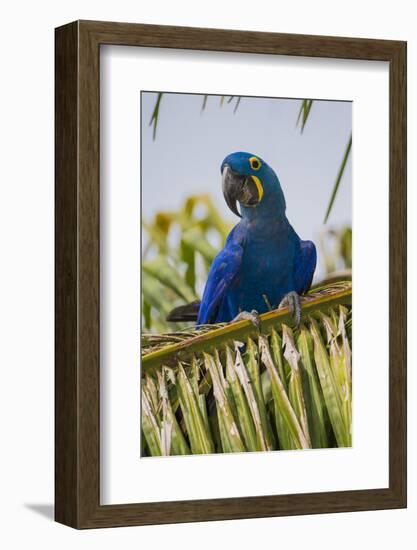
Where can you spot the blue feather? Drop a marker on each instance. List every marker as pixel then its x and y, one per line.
pixel 305 265
pixel 223 270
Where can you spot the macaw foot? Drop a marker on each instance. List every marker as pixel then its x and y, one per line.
pixel 252 316
pixel 292 302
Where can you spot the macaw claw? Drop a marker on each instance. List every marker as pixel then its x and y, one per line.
pixel 292 302
pixel 252 316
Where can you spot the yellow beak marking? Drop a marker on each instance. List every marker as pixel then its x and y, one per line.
pixel 259 187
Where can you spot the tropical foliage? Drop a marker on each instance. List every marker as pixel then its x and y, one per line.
pixel 232 388
pixel 335 245
pixel 179 247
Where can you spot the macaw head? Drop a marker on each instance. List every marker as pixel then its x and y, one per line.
pixel 249 181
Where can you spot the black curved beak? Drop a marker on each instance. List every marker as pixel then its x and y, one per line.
pixel 232 185
pixel 238 188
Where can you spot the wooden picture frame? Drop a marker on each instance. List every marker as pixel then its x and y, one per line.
pixel 77 382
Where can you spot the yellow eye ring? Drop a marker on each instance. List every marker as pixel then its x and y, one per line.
pixel 255 163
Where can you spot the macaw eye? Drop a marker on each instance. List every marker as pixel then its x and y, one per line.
pixel 255 163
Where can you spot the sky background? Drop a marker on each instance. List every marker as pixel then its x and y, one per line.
pixel 190 145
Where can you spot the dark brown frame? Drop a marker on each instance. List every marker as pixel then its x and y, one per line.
pixel 77 274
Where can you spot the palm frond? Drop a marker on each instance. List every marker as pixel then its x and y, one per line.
pixel 304 113
pixel 338 178
pixel 232 388
pixel 155 114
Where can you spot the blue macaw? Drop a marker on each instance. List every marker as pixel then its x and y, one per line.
pixel 264 263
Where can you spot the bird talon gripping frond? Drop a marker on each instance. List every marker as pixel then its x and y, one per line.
pixel 292 301
pixel 252 316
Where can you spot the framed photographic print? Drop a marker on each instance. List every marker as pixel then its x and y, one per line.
pixel 230 274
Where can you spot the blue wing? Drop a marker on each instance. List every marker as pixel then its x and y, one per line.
pixel 222 272
pixel 305 265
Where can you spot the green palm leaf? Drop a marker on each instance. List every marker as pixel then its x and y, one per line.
pixel 232 388
pixel 304 113
pixel 338 178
